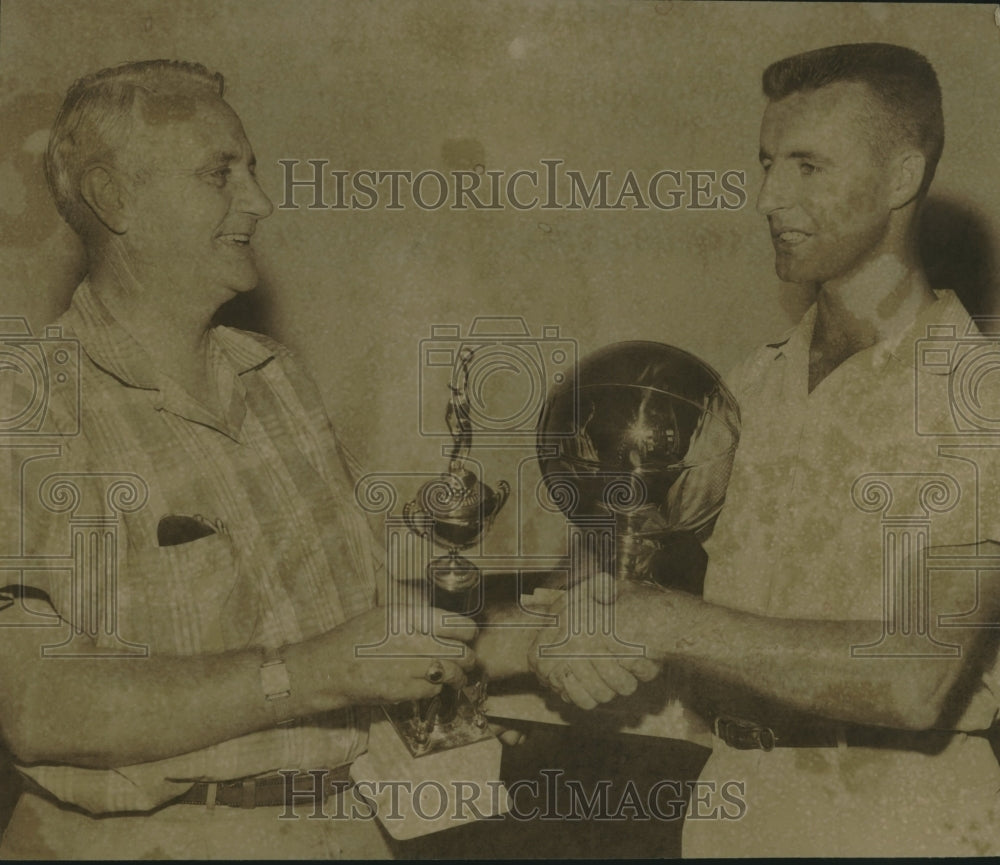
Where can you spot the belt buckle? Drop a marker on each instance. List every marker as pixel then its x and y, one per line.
pixel 743 735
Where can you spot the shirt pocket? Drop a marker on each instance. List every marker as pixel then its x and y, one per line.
pixel 190 598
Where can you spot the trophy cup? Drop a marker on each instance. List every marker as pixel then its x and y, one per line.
pixel 654 433
pixel 445 740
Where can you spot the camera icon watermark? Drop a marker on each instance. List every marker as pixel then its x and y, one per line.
pixel 505 373
pixel 38 373
pixel 971 363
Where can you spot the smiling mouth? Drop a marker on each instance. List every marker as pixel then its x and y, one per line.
pixel 790 237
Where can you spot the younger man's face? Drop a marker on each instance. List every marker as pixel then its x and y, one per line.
pixel 825 192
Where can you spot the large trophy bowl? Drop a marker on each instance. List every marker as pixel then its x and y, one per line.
pixel 652 435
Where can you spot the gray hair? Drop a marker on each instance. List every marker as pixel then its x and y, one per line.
pixel 95 122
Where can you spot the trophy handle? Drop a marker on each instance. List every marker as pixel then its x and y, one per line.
pixel 412 514
pixel 502 491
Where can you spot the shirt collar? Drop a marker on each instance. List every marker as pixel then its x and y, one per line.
pixel 942 320
pixel 796 340
pixel 109 345
pixel 115 351
pixel 945 321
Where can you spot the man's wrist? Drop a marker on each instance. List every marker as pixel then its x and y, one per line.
pixel 276 687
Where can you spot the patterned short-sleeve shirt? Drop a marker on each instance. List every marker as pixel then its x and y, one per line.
pixel 284 553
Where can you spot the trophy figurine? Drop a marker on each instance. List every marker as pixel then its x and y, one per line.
pixel 446 737
pixel 654 433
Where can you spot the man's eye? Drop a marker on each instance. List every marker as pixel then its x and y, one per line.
pixel 220 175
pixel 807 168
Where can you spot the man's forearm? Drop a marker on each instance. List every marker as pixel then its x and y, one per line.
pixel 805 664
pixel 505 638
pixel 103 712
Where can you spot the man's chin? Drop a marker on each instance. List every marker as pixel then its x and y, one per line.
pixel 232 290
pixel 242 283
pixel 793 272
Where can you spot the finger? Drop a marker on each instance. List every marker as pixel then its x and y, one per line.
pixel 508 736
pixel 563 681
pixel 449 650
pixel 451 674
pixel 544 672
pixel 644 669
pixel 616 677
pixel 550 675
pixel 584 674
pixel 576 691
pixel 512 738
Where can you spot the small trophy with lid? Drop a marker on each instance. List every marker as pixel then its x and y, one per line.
pixel 453 510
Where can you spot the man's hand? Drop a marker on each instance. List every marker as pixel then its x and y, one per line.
pixel 387 655
pixel 581 657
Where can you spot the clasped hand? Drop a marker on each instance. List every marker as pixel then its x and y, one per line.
pixel 581 656
pixel 402 653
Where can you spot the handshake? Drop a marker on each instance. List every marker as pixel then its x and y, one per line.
pixel 587 655
pixel 589 649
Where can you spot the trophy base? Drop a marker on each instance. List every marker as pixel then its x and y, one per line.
pixel 423 730
pixel 416 796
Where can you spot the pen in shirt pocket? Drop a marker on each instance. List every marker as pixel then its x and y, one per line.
pixel 216 525
pixel 176 529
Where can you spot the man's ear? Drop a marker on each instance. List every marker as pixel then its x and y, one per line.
pixel 102 189
pixel 908 175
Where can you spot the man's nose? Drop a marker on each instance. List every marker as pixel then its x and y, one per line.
pixel 254 200
pixel 775 192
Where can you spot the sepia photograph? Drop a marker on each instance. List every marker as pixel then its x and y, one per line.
pixel 499 429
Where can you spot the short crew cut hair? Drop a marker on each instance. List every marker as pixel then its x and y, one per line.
pixel 901 80
pixel 95 121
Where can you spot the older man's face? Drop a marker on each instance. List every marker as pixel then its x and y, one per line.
pixel 825 194
pixel 195 201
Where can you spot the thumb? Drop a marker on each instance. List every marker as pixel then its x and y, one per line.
pixel 507 735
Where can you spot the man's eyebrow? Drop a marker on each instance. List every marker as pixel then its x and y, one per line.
pixel 223 156
pixel 811 155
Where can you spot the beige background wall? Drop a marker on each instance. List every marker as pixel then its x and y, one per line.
pixel 445 85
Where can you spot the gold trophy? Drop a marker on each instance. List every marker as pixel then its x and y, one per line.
pixel 445 743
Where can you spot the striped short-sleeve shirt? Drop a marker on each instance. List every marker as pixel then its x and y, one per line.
pixel 285 553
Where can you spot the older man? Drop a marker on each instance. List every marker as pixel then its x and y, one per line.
pixel 243 569
pixel 855 721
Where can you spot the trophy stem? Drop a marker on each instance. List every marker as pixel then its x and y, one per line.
pixel 455 587
pixel 455 583
pixel 628 548
pixel 639 542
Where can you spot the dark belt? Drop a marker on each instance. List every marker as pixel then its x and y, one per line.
pixel 750 735
pixel 270 790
